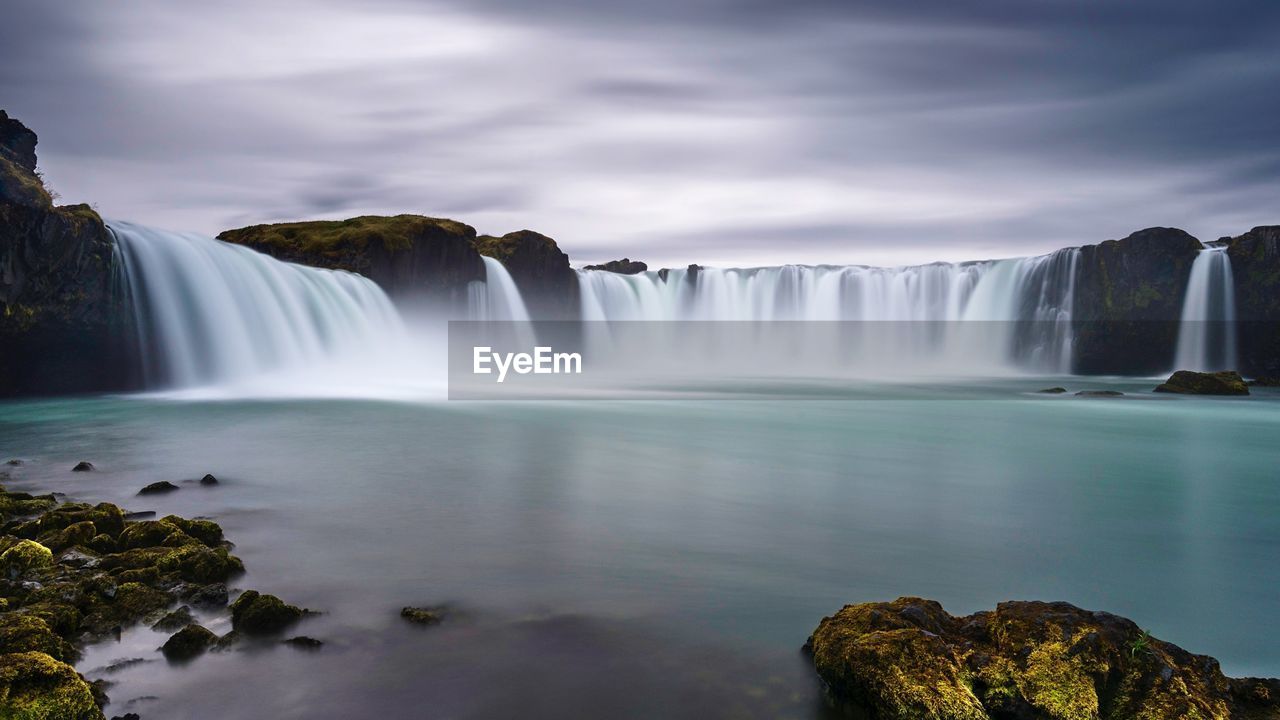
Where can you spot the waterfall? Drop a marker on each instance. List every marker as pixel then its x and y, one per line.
pixel 497 298
pixel 1207 333
pixel 1018 310
pixel 210 312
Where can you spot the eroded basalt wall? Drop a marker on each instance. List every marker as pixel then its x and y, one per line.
pixel 539 268
pixel 1128 301
pixel 1255 267
pixel 65 326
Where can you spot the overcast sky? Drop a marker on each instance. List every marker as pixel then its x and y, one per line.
pixel 672 131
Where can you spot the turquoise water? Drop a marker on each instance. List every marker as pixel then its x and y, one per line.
pixel 641 559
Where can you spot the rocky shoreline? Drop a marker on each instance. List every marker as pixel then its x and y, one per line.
pixel 911 660
pixel 75 574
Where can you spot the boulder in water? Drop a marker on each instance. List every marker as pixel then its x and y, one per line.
pixel 188 642
pixel 910 659
pixel 424 615
pixel 1189 382
pixel 208 480
pixel 1053 391
pixel 1099 393
pixel 158 488
pixel 83 466
pixel 256 614
pixel 303 642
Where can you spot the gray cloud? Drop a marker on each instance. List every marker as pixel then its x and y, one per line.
pixel 721 131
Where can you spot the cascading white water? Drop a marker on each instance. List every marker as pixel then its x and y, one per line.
pixel 1024 304
pixel 211 312
pixel 1207 333
pixel 497 298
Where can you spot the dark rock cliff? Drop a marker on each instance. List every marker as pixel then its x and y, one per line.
pixel 408 255
pixel 539 268
pixel 1128 300
pixel 1255 267
pixel 64 321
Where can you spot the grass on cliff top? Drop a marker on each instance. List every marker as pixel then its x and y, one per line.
pixel 18 184
pixel 502 248
pixel 393 233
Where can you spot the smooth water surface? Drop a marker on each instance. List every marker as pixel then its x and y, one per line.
pixel 668 559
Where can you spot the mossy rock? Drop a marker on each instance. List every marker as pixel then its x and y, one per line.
pixel 61 617
pixel 200 564
pixel 1044 661
pixel 188 642
pixel 35 686
pixel 256 614
pixel 23 557
pixel 206 531
pixel 21 632
pixel 1188 382
pixel 80 533
pixel 107 519
pixel 154 533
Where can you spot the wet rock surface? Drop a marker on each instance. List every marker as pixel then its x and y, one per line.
pixel 910 659
pixel 625 266
pixel 1187 382
pixel 74 573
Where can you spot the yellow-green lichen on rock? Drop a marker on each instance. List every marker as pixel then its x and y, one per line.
pixel 34 686
pixel 24 556
pixel 910 660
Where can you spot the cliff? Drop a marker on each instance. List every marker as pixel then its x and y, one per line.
pixel 539 268
pixel 64 321
pixel 1128 299
pixel 408 255
pixel 1255 267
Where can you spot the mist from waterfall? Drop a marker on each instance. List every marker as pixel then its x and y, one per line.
pixel 1207 332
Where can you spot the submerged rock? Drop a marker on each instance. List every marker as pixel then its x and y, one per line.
pixel 34 686
pixel 305 643
pixel 424 615
pixel 1099 393
pixel 1189 382
pixel 188 642
pixel 208 480
pixel 910 659
pixel 83 466
pixel 174 620
pixel 256 614
pixel 157 488
pixel 1053 390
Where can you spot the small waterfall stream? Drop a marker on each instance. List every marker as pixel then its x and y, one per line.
pixel 1207 332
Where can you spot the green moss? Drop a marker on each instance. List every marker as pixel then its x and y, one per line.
pixel 24 556
pixel 34 686
pixel 197 563
pixel 1056 682
pixel 394 233
pixel 206 531
pixel 153 533
pixel 21 632
pixel 19 185
pixel 256 614
pixel 188 642
pixel 77 534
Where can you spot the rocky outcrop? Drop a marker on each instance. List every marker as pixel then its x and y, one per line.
pixel 1128 300
pixel 539 268
pixel 1255 267
pixel 409 256
pixel 1188 382
pixel 910 659
pixel 64 321
pixel 625 266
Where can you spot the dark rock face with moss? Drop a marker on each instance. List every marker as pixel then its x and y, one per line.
pixel 1255 267
pixel 539 268
pixel 625 266
pixel 64 321
pixel 910 659
pixel 407 255
pixel 1187 382
pixel 1128 300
